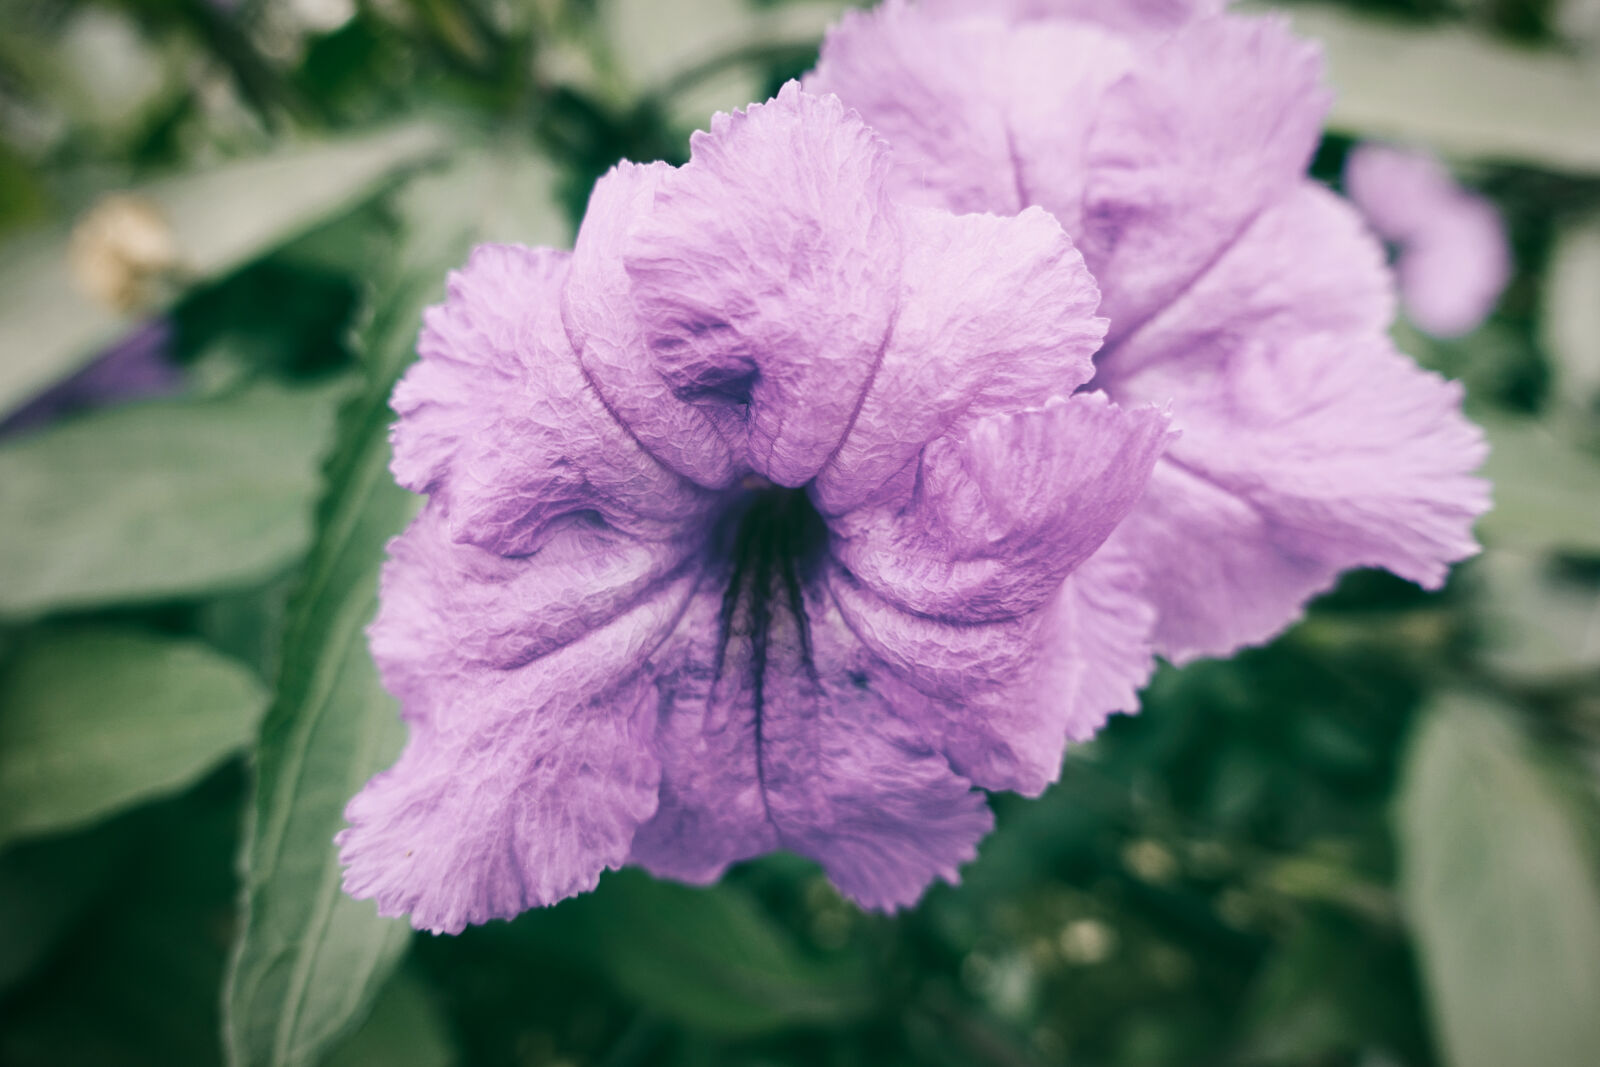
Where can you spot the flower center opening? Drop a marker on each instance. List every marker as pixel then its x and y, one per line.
pixel 775 537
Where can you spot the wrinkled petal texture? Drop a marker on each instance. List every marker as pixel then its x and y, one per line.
pixel 1173 149
pixel 1129 16
pixel 984 115
pixel 767 519
pixel 757 285
pixel 1454 258
pixel 500 427
pixel 531 757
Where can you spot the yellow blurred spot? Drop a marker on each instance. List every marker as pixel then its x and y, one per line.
pixel 1150 861
pixel 1086 942
pixel 123 252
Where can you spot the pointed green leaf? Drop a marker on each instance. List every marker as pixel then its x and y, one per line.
pixel 1570 323
pixel 219 220
pixel 707 957
pixel 1458 91
pixel 1540 624
pixel 1546 490
pixel 159 500
pixel 1498 877
pixel 703 56
pixel 308 959
pixel 711 958
pixel 95 720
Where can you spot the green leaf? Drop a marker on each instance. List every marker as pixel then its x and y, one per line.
pixel 1499 882
pixel 1570 323
pixel 1540 624
pixel 1546 491
pixel 706 957
pixel 308 959
pixel 96 720
pixel 405 1029
pixel 159 500
pixel 1458 91
pixel 219 219
pixel 702 56
pixel 248 625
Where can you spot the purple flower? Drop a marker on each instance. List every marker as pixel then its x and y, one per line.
pixel 1250 298
pixel 767 518
pixel 1453 257
pixel 139 365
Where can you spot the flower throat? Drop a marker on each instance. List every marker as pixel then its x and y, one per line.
pixel 776 538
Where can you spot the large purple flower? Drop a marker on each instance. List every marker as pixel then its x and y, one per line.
pixel 767 518
pixel 1171 142
pixel 1452 254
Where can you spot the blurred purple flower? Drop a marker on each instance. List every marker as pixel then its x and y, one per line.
pixel 767 518
pixel 1453 258
pixel 1173 147
pixel 139 365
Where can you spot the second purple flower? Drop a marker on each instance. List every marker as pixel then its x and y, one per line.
pixel 1171 142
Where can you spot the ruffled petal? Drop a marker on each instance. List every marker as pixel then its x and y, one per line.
pixel 1201 136
pixel 982 118
pixel 1097 650
pixel 857 787
pixel 604 328
pixel 789 745
pixel 499 427
pixel 713 810
pixel 448 607
pixel 958 593
pixel 998 517
pixel 995 314
pixel 761 281
pixel 531 759
pixel 968 687
pixel 1305 265
pixel 1001 700
pixel 1237 353
pixel 1299 460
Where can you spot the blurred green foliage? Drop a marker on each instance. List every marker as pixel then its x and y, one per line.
pixel 1370 844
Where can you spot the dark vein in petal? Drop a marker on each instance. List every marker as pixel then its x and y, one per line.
pixel 777 539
